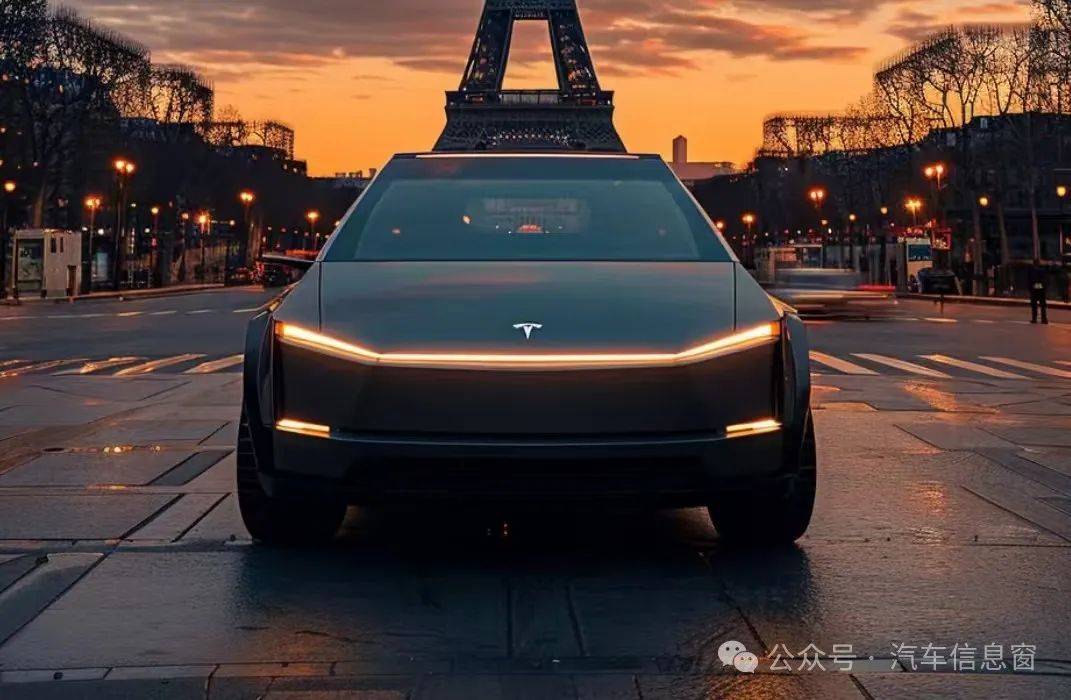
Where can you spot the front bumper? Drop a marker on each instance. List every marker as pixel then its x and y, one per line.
pixel 677 470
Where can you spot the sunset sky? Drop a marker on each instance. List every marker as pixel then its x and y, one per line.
pixel 362 79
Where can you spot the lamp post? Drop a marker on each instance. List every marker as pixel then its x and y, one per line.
pixel 1061 193
pixel 203 220
pixel 313 216
pixel 124 170
pixel 185 217
pixel 913 204
pixel 247 197
pixel 93 204
pixel 9 189
pixel 153 257
pixel 851 241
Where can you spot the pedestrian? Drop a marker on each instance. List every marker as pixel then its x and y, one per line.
pixel 1037 294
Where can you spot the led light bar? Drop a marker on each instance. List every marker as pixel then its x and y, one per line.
pixel 317 342
pixel 302 428
pixel 757 428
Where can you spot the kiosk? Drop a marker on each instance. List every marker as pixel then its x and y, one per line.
pixel 45 263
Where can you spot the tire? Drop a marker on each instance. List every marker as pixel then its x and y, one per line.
pixel 775 516
pixel 278 522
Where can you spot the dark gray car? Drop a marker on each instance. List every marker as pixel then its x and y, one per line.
pixel 494 327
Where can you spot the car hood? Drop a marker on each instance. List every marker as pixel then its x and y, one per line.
pixel 487 306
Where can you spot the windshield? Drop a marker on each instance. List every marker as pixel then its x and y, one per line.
pixel 525 208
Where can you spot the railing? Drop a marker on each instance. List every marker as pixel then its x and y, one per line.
pixel 526 98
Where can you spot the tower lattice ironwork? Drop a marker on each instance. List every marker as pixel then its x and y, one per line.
pixel 578 115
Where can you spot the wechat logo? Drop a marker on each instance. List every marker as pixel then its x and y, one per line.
pixel 736 655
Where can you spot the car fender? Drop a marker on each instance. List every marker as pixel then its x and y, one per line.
pixel 796 395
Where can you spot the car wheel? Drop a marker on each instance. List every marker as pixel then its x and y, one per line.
pixel 274 521
pixel 770 516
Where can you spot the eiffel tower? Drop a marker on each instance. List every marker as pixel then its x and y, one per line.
pixel 577 116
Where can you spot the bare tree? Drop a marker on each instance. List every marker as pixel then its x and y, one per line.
pixel 74 73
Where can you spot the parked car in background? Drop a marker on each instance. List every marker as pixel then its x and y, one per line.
pixel 828 292
pixel 272 275
pixel 934 281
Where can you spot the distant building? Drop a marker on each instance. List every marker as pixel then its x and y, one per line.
pixel 356 180
pixel 689 172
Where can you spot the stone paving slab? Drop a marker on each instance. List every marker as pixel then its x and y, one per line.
pixel 167 608
pixel 75 517
pixel 967 687
pixel 936 600
pixel 75 468
pixel 151 432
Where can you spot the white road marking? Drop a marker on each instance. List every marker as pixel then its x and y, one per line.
pixel 839 364
pixel 246 311
pixel 984 320
pixel 200 311
pixel 972 366
pixel 98 365
pixel 216 365
pixel 8 363
pixel 163 313
pixel 1032 367
pixel 130 314
pixel 941 320
pixel 903 365
pixel 39 367
pixel 150 367
pixel 1063 362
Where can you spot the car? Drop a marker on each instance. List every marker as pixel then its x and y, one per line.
pixel 833 293
pixel 272 275
pixel 534 327
pixel 932 280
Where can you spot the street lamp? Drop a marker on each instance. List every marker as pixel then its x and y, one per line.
pixel 124 169
pixel 203 220
pixel 983 201
pixel 884 211
pixel 935 171
pixel 749 221
pixel 313 216
pixel 9 189
pixel 913 205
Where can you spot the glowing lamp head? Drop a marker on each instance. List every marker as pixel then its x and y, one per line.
pixel 155 211
pixel 983 201
pixel 749 219
pixel 884 211
pixel 247 197
pixel 1061 191
pixel 313 216
pixel 9 186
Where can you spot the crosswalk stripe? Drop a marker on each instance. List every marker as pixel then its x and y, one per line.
pixel 98 365
pixel 902 365
pixel 150 367
pixel 39 367
pixel 972 366
pixel 839 364
pixel 1040 369
pixel 216 365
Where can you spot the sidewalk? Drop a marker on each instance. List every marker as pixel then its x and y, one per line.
pixel 126 294
pixel 989 301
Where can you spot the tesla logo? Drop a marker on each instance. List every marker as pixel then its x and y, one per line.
pixel 528 328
